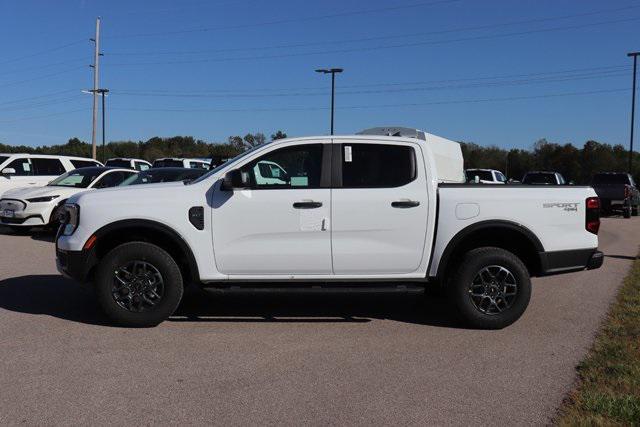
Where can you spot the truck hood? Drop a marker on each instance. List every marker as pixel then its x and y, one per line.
pixel 129 192
pixel 24 193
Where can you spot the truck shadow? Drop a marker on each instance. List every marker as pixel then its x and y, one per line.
pixel 55 296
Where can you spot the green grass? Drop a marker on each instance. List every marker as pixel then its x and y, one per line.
pixel 608 392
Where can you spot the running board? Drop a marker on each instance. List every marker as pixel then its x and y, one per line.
pixel 289 288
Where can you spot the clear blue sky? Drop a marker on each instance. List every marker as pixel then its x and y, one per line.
pixel 497 72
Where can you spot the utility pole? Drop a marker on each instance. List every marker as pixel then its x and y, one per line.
pixel 104 153
pixel 333 72
pixel 634 55
pixel 96 71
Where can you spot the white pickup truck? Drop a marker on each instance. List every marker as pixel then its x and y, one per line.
pixel 347 212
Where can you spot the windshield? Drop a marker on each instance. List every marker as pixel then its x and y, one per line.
pixel 162 175
pixel 229 162
pixel 79 178
pixel 610 178
pixel 168 163
pixel 482 175
pixel 118 163
pixel 3 159
pixel 539 178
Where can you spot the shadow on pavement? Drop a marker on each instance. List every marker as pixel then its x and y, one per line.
pixel 56 296
pixel 631 258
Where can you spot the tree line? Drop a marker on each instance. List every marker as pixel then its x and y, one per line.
pixel 575 164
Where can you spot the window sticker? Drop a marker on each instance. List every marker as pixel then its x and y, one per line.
pixel 26 167
pixel 348 157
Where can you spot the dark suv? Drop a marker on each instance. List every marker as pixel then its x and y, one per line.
pixel 617 192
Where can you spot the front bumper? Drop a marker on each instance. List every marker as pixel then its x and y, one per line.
pixel 572 260
pixel 76 265
pixel 24 213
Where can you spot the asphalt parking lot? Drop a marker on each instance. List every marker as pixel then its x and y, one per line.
pixel 291 359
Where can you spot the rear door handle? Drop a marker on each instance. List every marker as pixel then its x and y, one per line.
pixel 307 205
pixel 405 204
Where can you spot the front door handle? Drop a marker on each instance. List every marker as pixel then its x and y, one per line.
pixel 307 205
pixel 405 204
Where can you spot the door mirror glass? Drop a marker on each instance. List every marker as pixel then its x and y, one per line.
pixel 8 171
pixel 234 179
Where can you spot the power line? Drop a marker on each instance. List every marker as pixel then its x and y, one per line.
pixel 383 47
pixel 43 116
pixel 388 37
pixel 39 67
pixel 580 71
pixel 43 52
pixel 41 104
pixel 31 98
pixel 378 91
pixel 371 106
pixel 45 76
pixel 289 20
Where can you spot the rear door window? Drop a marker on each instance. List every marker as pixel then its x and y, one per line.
pixel 22 167
pixel 377 165
pixel 47 167
pixel 141 166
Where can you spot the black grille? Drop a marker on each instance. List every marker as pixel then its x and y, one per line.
pixel 196 217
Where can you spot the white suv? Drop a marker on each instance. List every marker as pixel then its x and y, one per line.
pixel 25 170
pixel 177 162
pixel 125 162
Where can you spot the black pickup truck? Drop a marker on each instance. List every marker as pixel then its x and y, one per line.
pixel 617 191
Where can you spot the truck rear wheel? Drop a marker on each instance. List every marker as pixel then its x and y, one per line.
pixel 491 288
pixel 138 284
pixel 626 211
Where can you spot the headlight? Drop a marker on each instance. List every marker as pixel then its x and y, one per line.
pixel 71 219
pixel 42 199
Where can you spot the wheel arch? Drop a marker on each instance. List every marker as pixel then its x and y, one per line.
pixel 161 235
pixel 504 234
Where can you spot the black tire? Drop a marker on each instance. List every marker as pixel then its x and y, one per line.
pixel 139 313
pixel 626 212
pixel 509 307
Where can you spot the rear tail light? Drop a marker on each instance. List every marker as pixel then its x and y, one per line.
pixel 592 215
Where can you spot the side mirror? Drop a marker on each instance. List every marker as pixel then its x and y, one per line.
pixel 8 171
pixel 234 179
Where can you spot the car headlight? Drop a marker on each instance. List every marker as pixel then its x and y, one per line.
pixel 42 199
pixel 70 219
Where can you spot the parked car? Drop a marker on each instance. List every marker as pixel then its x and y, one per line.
pixel 617 192
pixel 485 176
pixel 154 176
pixel 175 162
pixel 125 162
pixel 543 178
pixel 355 212
pixel 40 206
pixel 23 170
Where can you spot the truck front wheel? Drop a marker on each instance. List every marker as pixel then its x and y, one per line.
pixel 491 288
pixel 138 284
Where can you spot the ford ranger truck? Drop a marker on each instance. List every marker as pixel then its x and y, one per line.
pixel 347 212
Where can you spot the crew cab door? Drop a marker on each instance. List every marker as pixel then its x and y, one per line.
pixel 280 223
pixel 379 207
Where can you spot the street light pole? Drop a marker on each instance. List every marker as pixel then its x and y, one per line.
pixel 104 154
pixel 633 107
pixel 333 72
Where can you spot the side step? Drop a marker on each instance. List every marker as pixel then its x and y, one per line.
pixel 289 288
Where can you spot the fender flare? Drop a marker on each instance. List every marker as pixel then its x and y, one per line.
pixel 482 225
pixel 175 238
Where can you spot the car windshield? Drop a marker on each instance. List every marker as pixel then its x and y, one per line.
pixel 539 178
pixel 118 163
pixel 229 162
pixel 3 159
pixel 78 178
pixel 152 176
pixel 168 163
pixel 610 178
pixel 482 175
